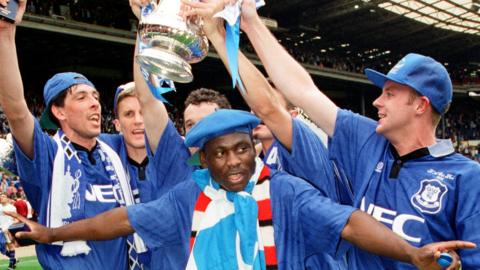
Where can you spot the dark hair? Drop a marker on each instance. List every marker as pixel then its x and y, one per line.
pixel 58 101
pixel 204 95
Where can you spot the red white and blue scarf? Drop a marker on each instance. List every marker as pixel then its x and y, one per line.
pixel 233 230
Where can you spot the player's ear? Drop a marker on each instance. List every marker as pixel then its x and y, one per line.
pixel 203 159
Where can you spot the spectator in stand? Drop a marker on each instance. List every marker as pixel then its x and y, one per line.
pixel 21 205
pixel 11 189
pixel 7 247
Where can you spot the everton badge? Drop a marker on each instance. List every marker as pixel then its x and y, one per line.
pixel 428 198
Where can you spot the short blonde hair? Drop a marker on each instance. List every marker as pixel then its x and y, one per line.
pixel 127 90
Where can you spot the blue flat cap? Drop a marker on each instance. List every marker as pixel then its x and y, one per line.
pixel 425 75
pixel 219 123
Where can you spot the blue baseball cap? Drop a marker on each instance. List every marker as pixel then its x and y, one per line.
pixel 219 123
pixel 423 74
pixel 124 87
pixel 54 87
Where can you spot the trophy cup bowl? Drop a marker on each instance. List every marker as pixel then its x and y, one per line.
pixel 170 43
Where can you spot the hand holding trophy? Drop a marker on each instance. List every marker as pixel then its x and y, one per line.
pixel 169 43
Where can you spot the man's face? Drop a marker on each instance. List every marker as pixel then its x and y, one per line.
pixel 396 108
pixel 130 122
pixel 81 112
pixel 3 199
pixel 194 113
pixel 230 159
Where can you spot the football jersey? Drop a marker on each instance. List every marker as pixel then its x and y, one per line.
pixel 426 196
pixel 272 158
pixel 308 159
pixel 36 177
pixel 304 222
pixel 159 173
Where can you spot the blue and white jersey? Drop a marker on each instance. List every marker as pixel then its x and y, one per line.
pixel 272 158
pixel 308 159
pixel 36 177
pixel 169 164
pixel 164 169
pixel 423 197
pixel 301 218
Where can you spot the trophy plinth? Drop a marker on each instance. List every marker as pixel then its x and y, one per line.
pixel 171 45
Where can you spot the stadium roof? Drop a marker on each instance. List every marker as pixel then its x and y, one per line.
pixel 456 15
pixel 371 30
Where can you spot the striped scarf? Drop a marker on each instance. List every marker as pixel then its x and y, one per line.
pixel 235 229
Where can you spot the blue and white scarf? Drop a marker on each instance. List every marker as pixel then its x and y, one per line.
pixel 231 217
pixel 66 202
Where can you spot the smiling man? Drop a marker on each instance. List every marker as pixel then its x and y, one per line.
pixel 79 172
pixel 237 214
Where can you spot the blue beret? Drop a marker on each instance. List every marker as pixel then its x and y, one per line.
pixel 219 123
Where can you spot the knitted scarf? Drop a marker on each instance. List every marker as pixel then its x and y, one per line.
pixel 233 230
pixel 66 202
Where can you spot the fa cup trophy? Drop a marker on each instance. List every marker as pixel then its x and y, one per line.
pixel 169 43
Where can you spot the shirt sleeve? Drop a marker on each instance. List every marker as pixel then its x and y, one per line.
pixel 316 218
pixel 322 221
pixel 352 131
pixel 468 215
pixel 170 159
pixel 36 173
pixel 166 221
pixel 308 159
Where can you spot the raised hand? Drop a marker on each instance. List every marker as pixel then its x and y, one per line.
pixel 206 9
pixel 426 257
pixel 137 5
pixel 249 14
pixel 20 11
pixel 37 232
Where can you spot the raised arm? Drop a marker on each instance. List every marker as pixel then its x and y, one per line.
pixel 259 95
pixel 12 98
pixel 287 74
pixel 365 232
pixel 108 225
pixel 155 114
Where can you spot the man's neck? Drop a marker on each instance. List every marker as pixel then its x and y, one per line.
pixel 136 154
pixel 87 143
pixel 412 142
pixel 417 135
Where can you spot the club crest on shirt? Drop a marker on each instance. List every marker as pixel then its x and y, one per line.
pixel 428 198
pixel 379 167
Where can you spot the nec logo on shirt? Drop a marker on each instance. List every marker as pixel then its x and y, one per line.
pixel 103 194
pixel 390 217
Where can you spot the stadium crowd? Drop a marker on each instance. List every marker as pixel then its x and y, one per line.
pixel 117 14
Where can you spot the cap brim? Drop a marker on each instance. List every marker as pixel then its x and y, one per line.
pixel 46 122
pixel 376 77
